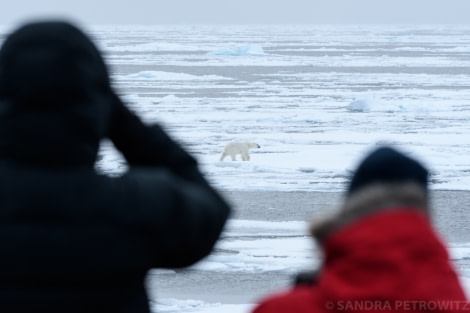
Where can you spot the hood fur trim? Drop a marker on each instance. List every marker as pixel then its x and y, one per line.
pixel 369 200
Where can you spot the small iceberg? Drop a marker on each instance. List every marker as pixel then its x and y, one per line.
pixel 360 105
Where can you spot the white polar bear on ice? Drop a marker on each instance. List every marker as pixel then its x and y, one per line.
pixel 240 147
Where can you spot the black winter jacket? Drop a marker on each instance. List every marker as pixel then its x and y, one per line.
pixel 72 240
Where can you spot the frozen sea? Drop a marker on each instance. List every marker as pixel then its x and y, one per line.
pixel 316 99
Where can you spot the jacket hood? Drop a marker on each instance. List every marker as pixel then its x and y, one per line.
pixel 371 199
pixel 55 95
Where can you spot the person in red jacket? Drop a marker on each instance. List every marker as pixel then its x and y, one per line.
pixel 381 252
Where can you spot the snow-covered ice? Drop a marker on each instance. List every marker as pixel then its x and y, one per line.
pixel 316 98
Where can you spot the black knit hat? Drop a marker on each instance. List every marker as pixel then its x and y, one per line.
pixel 386 165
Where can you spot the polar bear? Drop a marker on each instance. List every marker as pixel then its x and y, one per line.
pixel 238 147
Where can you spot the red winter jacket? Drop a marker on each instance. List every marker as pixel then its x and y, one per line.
pixel 391 261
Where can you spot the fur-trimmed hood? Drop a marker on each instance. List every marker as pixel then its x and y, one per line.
pixel 369 200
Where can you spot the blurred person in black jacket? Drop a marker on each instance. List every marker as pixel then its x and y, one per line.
pixel 72 240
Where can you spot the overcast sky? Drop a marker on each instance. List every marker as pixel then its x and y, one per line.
pixel 239 11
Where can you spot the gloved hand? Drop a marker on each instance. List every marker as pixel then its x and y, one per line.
pixel 305 278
